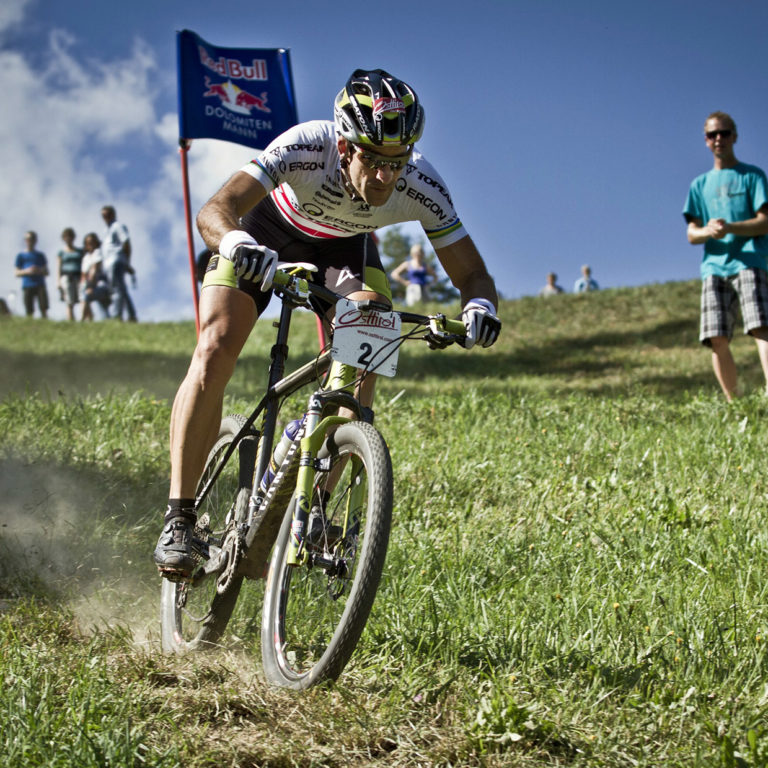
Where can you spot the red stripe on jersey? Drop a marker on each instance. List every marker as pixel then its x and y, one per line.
pixel 295 217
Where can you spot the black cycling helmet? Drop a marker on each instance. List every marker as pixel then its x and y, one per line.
pixel 376 109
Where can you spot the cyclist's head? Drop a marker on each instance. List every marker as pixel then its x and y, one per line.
pixel 376 109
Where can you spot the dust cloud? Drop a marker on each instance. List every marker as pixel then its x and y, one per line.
pixel 65 535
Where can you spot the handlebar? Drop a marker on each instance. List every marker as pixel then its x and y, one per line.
pixel 293 278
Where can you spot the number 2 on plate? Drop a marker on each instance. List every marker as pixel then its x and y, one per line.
pixel 365 358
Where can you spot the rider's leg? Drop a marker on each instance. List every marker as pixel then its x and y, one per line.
pixel 367 387
pixel 227 316
pixel 364 391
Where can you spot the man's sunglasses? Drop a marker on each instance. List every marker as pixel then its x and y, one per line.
pixel 374 162
pixel 725 134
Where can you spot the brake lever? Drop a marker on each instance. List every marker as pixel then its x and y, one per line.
pixel 437 338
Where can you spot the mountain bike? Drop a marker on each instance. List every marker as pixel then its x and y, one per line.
pixel 320 500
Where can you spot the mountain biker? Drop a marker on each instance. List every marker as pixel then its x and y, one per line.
pixel 315 194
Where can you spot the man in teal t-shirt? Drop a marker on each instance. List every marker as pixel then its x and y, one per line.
pixel 732 199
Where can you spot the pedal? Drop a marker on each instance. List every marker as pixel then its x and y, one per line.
pixel 173 575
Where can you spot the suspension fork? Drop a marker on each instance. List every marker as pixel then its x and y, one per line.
pixel 338 391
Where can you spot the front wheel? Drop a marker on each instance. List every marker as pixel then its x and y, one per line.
pixel 194 613
pixel 314 613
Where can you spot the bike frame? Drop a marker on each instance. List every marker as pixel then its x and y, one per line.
pixel 335 394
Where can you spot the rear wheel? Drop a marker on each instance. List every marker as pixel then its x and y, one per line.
pixel 194 613
pixel 315 613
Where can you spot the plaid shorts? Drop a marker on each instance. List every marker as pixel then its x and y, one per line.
pixel 721 298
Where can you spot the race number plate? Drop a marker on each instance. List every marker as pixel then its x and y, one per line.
pixel 366 340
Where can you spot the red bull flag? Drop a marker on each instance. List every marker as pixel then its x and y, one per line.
pixel 244 95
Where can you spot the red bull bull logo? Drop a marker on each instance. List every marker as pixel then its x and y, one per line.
pixel 234 98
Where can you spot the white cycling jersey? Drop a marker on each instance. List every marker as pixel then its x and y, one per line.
pixel 302 172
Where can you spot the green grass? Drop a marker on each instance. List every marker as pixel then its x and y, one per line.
pixel 576 574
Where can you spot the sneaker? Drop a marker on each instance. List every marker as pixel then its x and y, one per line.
pixel 173 553
pixel 320 532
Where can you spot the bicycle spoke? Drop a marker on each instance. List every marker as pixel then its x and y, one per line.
pixel 315 612
pixel 193 611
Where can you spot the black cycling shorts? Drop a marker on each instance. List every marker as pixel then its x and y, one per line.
pixel 345 264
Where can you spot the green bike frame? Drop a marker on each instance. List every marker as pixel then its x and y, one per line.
pixel 341 380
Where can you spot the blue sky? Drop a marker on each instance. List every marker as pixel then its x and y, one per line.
pixel 568 133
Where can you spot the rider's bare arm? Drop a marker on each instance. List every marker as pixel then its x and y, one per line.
pixel 466 269
pixel 222 212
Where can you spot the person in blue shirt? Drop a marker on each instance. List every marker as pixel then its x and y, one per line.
pixel 70 260
pixel 415 273
pixel 586 282
pixel 32 268
pixel 727 212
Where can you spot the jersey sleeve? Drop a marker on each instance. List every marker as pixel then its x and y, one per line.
pixel 430 201
pixel 448 235
pixel 299 149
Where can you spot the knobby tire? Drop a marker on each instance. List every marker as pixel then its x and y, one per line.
pixel 312 621
pixel 194 617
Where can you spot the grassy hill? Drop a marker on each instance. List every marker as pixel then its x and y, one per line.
pixel 576 574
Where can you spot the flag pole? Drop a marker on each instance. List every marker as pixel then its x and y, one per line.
pixel 183 149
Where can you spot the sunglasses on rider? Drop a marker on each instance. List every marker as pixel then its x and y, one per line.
pixel 726 133
pixel 374 161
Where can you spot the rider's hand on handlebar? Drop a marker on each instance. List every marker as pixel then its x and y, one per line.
pixel 250 260
pixel 438 340
pixel 483 327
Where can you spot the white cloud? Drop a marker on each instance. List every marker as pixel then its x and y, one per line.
pixel 80 133
pixel 11 13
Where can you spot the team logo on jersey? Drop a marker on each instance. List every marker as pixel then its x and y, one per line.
pixel 382 107
pixel 312 210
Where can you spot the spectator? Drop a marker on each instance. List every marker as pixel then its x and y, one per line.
pixel 732 199
pixel 70 260
pixel 415 274
pixel 32 268
pixel 94 283
pixel 116 252
pixel 551 288
pixel 586 282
